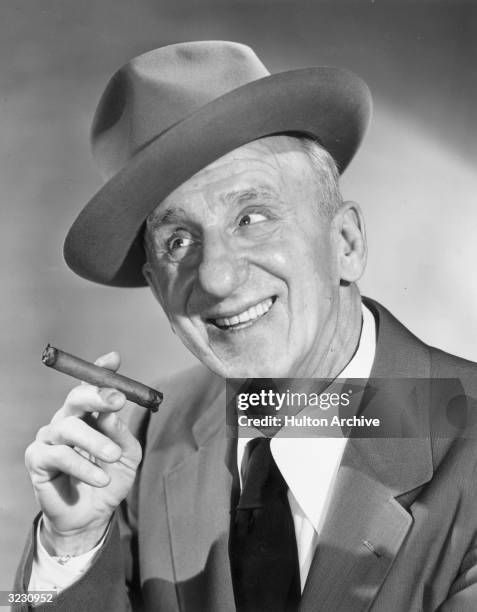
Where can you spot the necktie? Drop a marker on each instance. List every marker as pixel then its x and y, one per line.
pixel 263 551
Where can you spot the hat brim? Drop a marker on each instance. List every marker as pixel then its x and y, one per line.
pixel 104 244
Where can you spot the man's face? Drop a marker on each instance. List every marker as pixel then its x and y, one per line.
pixel 245 264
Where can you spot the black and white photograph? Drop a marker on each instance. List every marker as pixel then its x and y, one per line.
pixel 239 311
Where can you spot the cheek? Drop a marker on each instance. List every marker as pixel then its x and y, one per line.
pixel 278 255
pixel 172 289
pixel 279 260
pixel 313 287
pixel 306 262
pixel 320 260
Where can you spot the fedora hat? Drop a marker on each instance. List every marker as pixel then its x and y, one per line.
pixel 170 112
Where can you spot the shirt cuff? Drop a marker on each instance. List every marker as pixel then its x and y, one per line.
pixel 50 573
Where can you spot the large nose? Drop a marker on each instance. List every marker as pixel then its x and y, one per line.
pixel 222 268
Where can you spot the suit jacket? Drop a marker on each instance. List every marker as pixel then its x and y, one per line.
pixel 400 534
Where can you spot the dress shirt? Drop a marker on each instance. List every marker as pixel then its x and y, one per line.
pixel 309 466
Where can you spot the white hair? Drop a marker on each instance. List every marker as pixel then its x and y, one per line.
pixel 326 172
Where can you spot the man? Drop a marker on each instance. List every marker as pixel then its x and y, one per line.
pixel 222 195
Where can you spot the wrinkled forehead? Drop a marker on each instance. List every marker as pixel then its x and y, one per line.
pixel 265 166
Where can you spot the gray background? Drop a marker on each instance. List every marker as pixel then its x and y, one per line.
pixel 415 177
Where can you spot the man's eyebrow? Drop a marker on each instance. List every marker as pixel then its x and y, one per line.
pixel 261 192
pixel 169 217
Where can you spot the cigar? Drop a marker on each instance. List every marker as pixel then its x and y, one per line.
pixel 101 377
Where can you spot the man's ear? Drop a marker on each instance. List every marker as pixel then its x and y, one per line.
pixel 352 247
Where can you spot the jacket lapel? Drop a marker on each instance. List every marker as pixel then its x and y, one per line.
pixel 198 494
pixel 360 539
pixel 367 520
pixel 366 524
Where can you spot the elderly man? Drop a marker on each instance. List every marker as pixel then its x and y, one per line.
pixel 222 195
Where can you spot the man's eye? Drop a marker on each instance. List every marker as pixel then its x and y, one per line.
pixel 251 218
pixel 177 246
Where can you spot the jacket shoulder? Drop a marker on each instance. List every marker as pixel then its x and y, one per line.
pixel 186 394
pixel 405 354
pixel 446 365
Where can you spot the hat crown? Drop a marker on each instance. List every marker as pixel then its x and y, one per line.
pixel 158 89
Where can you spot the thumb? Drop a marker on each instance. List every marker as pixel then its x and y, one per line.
pixel 111 361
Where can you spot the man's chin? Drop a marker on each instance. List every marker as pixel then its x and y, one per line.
pixel 254 362
pixel 255 370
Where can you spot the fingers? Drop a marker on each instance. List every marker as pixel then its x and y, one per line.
pixel 111 361
pixel 43 461
pixel 72 431
pixel 52 451
pixel 116 430
pixel 84 429
pixel 86 398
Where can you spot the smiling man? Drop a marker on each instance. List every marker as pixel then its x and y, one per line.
pixel 222 195
pixel 222 254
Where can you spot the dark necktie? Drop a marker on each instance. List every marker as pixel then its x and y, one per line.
pixel 263 551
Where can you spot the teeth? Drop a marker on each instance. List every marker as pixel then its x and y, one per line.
pixel 244 317
pixel 250 314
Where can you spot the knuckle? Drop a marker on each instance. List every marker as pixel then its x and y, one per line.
pixel 42 433
pixel 65 428
pixel 30 452
pixel 75 396
pixel 59 414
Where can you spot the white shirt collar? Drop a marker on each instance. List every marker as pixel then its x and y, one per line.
pixel 362 361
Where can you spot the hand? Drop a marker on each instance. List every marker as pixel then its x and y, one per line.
pixel 82 465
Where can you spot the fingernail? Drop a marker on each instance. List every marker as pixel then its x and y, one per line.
pixel 113 398
pixel 116 399
pixel 101 478
pixel 111 451
pixel 103 359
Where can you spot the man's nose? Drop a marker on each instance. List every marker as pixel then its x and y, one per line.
pixel 222 268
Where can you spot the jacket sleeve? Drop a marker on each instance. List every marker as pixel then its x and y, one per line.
pixel 104 586
pixel 111 584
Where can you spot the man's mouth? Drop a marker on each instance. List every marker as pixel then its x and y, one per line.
pixel 246 317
